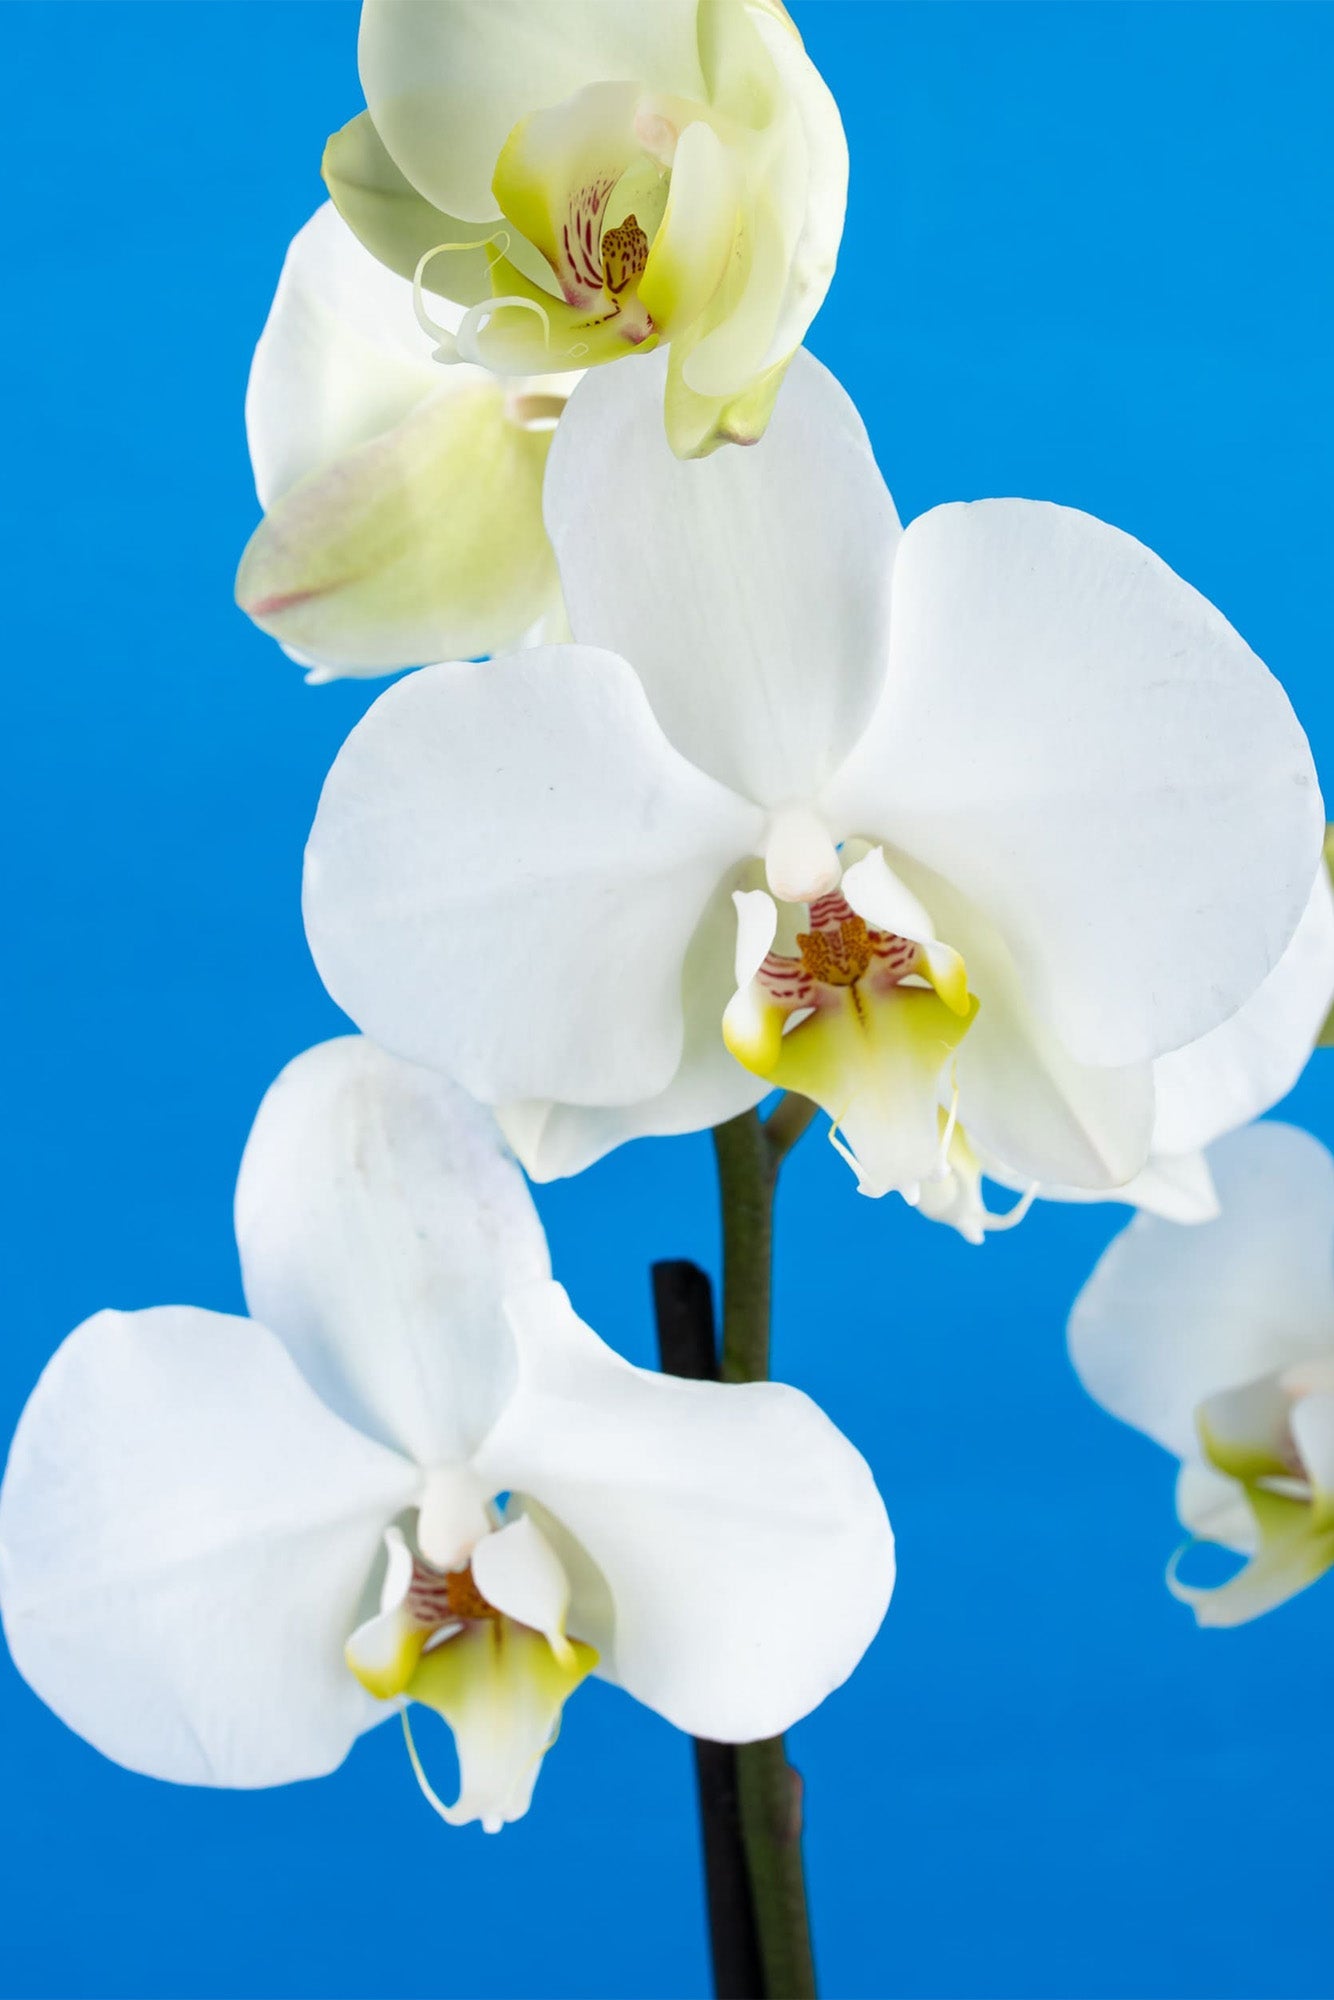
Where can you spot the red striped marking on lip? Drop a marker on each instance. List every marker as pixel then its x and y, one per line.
pixel 581 280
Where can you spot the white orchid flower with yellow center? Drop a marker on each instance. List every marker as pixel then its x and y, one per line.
pixel 1225 1080
pixel 403 500
pixel 1218 1342
pixel 963 825
pixel 600 177
pixel 229 1546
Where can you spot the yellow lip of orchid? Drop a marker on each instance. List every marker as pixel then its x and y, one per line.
pixel 499 1682
pixel 1253 1435
pixel 863 1021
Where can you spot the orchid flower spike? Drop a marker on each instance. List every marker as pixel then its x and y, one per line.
pixel 403 501
pixel 1218 1342
pixel 229 1546
pixel 600 177
pixel 958 828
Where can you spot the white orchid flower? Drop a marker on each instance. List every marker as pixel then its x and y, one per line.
pixel 1007 809
pixel 229 1546
pixel 403 500
pixel 1225 1080
pixel 604 176
pixel 1218 1342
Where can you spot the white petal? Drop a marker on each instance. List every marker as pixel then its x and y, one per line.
pixel 1177 1186
pixel 447 80
pixel 185 1534
pixel 1023 1098
pixel 750 591
pixel 709 1086
pixel 518 1571
pixel 379 1220
pixel 1239 1070
pixel 1312 1422
pixel 341 359
pixel 506 871
pixel 756 929
pixel 875 892
pixel 1079 742
pixel 384 1650
pixel 1171 1316
pixel 745 1547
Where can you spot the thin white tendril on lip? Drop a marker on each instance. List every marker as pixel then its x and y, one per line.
pixel 428 1791
pixel 478 318
pixel 447 345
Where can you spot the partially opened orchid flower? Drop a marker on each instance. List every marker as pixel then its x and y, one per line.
pixel 403 500
pixel 1219 1343
pixel 1230 1076
pixel 229 1546
pixel 601 176
pixel 966 825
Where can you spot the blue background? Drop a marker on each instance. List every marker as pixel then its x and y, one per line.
pixel 1088 257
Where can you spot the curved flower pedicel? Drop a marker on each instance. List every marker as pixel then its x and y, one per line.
pixel 1219 1343
pixel 229 1546
pixel 1007 811
pixel 599 177
pixel 403 500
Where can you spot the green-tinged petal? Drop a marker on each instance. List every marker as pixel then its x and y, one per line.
pixel 420 545
pixel 697 236
pixel 398 225
pixel 739 74
pixel 448 83
pixel 501 1689
pixel 697 425
pixel 811 157
pixel 341 358
pixel 729 346
pixel 1292 1552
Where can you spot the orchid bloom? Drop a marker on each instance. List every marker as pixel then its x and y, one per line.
pixel 1230 1076
pixel 229 1546
pixel 959 826
pixel 601 177
pixel 1218 1342
pixel 403 501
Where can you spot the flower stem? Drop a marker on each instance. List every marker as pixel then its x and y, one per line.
pixel 749 1156
pixel 688 1346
